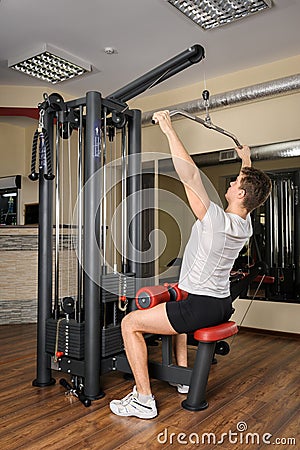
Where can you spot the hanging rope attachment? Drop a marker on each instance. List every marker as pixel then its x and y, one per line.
pixel 68 120
pixel 41 141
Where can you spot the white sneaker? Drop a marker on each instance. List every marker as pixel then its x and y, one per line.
pixel 132 406
pixel 181 388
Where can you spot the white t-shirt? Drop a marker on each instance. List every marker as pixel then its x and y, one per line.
pixel 213 246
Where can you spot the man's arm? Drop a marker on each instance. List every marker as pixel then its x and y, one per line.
pixel 245 154
pixel 185 167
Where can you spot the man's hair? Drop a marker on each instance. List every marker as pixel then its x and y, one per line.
pixel 257 186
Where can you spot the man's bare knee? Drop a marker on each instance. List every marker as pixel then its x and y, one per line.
pixel 128 323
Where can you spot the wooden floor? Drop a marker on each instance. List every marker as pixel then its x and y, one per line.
pixel 255 386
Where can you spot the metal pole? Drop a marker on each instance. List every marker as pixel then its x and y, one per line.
pixel 291 213
pixel 79 220
pixel 269 232
pixel 276 224
pixel 43 370
pixel 59 118
pixel 104 193
pixel 282 236
pixel 160 73
pixel 124 221
pixel 134 201
pixel 297 232
pixel 91 251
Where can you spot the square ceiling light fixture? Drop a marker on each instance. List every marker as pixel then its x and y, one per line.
pixel 51 64
pixel 215 13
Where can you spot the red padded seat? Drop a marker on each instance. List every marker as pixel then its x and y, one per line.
pixel 216 333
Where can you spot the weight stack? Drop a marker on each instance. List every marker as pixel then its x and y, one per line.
pixel 70 337
pixel 112 341
pixel 115 285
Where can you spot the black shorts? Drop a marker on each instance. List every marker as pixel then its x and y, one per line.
pixel 198 311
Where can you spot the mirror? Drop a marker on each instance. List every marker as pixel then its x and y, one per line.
pixel 276 224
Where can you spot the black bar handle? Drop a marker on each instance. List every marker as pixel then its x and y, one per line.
pixel 63 382
pixel 82 398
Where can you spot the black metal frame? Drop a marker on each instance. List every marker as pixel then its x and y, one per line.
pixel 93 365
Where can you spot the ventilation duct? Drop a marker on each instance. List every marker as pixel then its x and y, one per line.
pixel 259 153
pixel 261 91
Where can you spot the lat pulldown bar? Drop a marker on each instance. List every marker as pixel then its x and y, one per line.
pixel 205 122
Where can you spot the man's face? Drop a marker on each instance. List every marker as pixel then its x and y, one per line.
pixel 235 191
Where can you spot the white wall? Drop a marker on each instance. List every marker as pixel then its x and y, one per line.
pixel 261 122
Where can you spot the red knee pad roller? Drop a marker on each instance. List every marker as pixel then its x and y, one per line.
pixel 176 293
pixel 150 296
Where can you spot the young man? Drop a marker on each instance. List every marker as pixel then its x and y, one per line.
pixel 215 242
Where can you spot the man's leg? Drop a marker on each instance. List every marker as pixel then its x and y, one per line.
pixel 180 352
pixel 134 325
pixel 180 349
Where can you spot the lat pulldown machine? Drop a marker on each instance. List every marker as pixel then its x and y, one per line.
pixel 80 334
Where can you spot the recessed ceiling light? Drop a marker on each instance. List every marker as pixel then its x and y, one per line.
pixel 215 13
pixel 50 64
